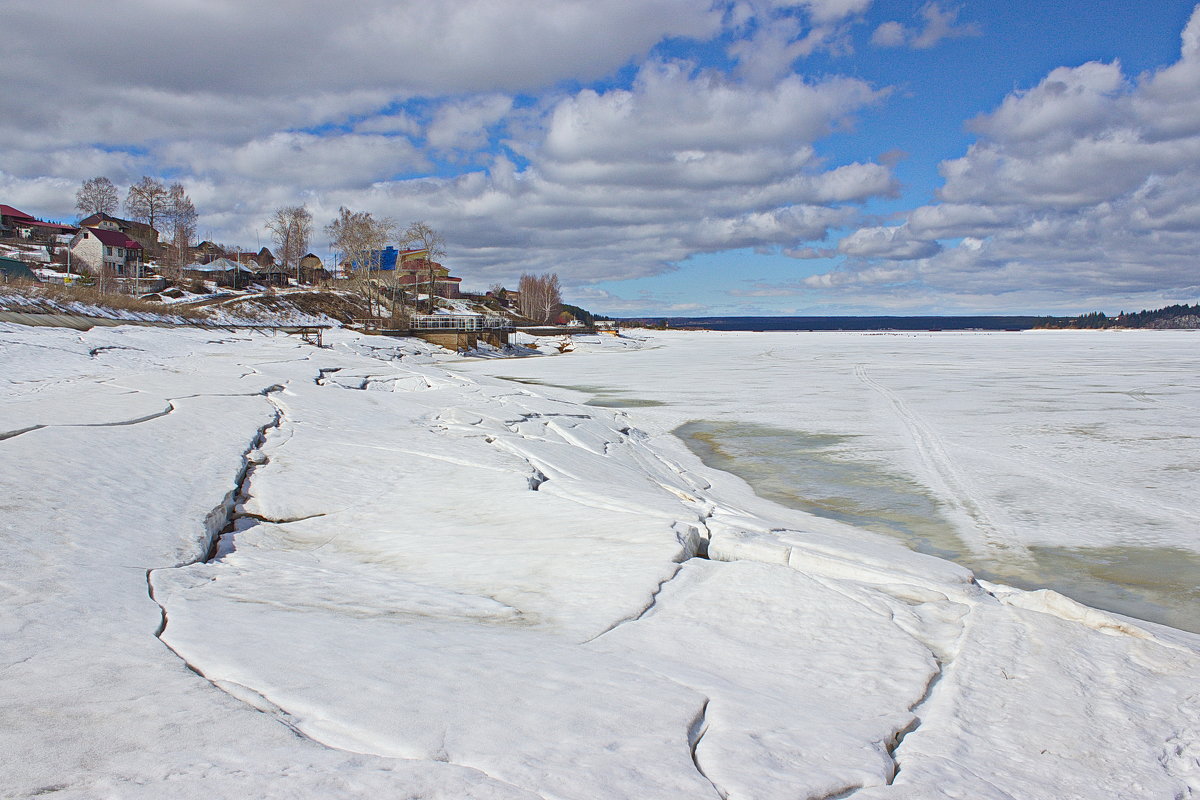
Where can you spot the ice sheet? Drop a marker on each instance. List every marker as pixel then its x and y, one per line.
pixel 431 584
pixel 1064 459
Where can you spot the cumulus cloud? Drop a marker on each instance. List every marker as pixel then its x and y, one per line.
pixel 938 22
pixel 230 72
pixel 1085 186
pixel 508 124
pixel 463 124
pixel 895 243
pixel 779 32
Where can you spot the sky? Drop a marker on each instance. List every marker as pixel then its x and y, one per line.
pixel 663 157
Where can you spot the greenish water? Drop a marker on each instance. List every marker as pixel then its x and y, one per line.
pixel 602 396
pixel 820 474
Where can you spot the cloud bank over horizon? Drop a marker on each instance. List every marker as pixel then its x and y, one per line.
pixel 620 142
pixel 1088 181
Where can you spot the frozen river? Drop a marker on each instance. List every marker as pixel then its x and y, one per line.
pixel 238 565
pixel 1068 460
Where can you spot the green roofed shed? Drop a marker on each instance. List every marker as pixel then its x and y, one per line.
pixel 12 270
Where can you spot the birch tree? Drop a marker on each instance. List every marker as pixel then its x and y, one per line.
pixel 291 228
pixel 540 297
pixel 358 239
pixel 180 218
pixel 420 236
pixel 97 196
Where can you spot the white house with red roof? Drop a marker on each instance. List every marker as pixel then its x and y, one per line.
pixel 96 249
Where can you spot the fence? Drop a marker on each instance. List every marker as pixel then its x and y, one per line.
pixel 459 322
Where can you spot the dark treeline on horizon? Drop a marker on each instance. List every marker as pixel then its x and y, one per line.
pixel 877 323
pixel 1175 316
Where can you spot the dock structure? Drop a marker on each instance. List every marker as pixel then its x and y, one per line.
pixel 452 331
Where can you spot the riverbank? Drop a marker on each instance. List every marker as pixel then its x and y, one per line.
pixel 283 571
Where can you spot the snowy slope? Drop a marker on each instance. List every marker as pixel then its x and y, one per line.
pixel 437 585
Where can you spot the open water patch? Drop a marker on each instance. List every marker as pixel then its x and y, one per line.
pixel 821 475
pixel 602 396
pixel 814 472
pixel 1160 584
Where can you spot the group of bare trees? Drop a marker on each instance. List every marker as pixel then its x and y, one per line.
pixel 167 209
pixel 359 238
pixel 540 297
pixel 291 228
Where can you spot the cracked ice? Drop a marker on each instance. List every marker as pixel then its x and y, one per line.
pixel 443 585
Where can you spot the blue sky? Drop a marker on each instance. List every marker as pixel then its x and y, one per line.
pixel 667 157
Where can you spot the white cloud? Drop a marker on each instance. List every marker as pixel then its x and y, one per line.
pixel 890 34
pixel 464 124
pixel 253 107
pixel 895 243
pixel 1086 186
pixel 938 22
pixel 301 159
pixel 778 37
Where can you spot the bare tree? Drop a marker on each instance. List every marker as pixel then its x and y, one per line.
pixel 551 299
pixel 540 297
pixel 291 228
pixel 147 201
pixel 104 276
pixel 420 236
pixel 180 217
pixel 359 239
pixel 97 196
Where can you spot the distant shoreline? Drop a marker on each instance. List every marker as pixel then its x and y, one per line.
pixel 864 323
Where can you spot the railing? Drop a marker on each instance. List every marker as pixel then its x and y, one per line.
pixel 370 323
pixel 459 322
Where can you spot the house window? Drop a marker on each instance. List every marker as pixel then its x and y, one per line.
pixel 108 251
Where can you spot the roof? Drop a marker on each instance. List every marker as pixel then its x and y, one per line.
pixel 218 265
pixel 37 223
pixel 114 238
pixel 100 216
pixel 9 211
pixel 28 219
pixel 12 268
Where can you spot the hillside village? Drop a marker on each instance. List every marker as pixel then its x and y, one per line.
pixel 369 283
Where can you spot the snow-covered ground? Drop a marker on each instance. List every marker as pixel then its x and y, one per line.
pixel 439 584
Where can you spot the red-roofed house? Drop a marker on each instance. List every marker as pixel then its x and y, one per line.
pixel 15 224
pixel 412 271
pixel 96 249
pixel 140 232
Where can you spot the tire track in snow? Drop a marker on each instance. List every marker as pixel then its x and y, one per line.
pixel 950 484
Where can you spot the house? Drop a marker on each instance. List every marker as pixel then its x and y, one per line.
pixel 106 251
pixel 444 285
pixel 412 270
pixel 312 269
pixel 206 251
pixel 15 224
pixel 272 274
pixel 222 271
pixel 140 232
